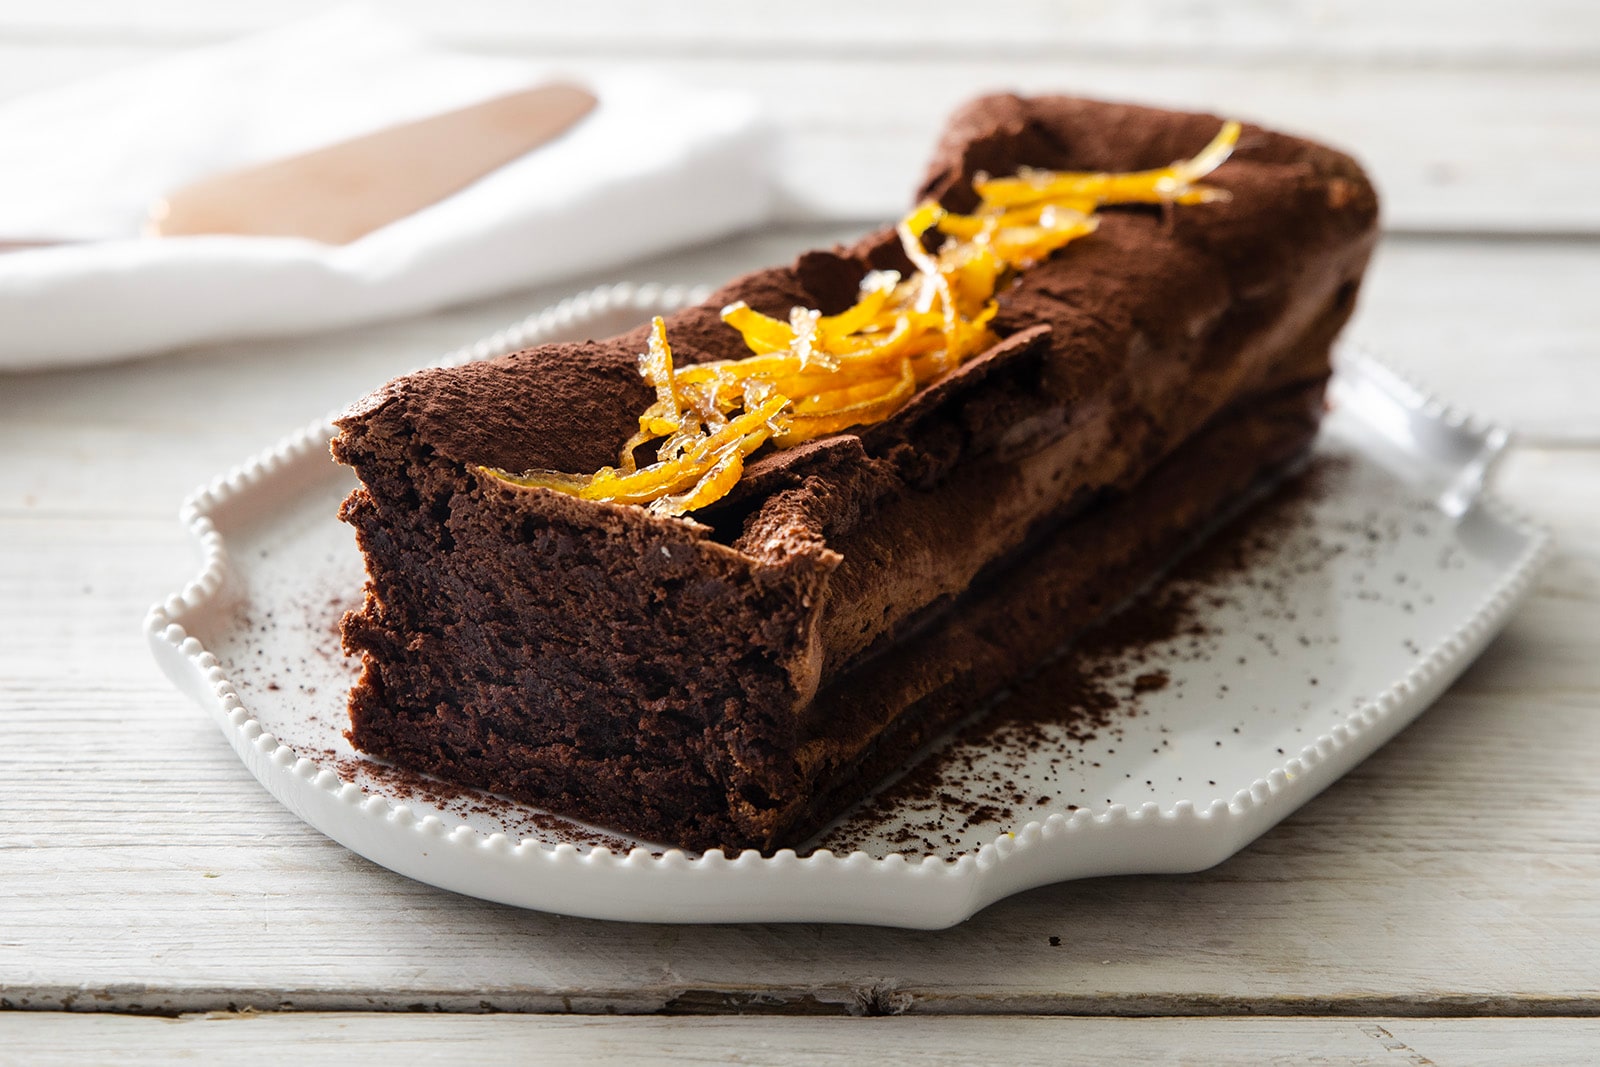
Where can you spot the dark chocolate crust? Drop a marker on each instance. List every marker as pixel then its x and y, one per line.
pixel 735 680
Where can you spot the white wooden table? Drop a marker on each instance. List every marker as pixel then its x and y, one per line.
pixel 1440 904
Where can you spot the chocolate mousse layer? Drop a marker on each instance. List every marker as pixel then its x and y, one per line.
pixel 737 677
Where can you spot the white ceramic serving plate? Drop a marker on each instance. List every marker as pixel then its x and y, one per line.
pixel 1413 568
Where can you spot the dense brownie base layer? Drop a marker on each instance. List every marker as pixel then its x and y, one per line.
pixel 910 693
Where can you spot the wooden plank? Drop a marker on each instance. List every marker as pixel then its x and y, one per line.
pixel 1385 896
pixel 1469 149
pixel 1548 485
pixel 1504 328
pixel 146 870
pixel 1428 31
pixel 1452 150
pixel 52 1038
pixel 1457 871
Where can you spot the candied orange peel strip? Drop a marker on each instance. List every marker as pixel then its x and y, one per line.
pixel 1174 184
pixel 816 374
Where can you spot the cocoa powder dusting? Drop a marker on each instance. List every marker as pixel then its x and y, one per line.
pixel 510 817
pixel 1087 689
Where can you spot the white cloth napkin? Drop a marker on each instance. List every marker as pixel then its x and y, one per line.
pixel 655 165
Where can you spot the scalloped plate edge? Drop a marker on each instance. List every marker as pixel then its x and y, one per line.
pixel 925 892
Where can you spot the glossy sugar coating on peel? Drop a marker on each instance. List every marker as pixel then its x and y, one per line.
pixel 814 375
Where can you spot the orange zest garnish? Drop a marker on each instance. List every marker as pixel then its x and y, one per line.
pixel 816 374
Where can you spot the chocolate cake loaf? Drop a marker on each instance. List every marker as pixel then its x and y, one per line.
pixel 736 677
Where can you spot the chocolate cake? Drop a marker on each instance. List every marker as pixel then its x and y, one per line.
pixel 736 677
